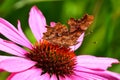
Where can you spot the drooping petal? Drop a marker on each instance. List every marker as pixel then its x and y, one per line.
pixel 10 47
pixel 25 75
pixel 76 77
pixel 35 75
pixel 15 64
pixel 92 62
pixel 80 39
pixel 53 77
pixel 9 31
pixel 45 76
pixel 37 22
pixel 89 76
pixel 100 74
pixel 114 75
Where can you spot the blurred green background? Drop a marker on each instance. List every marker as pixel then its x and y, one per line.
pixel 101 39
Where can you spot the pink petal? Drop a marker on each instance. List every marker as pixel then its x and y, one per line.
pixel 100 74
pixel 25 75
pixel 22 34
pixel 95 62
pixel 45 76
pixel 37 22
pixel 75 77
pixel 89 76
pixel 52 24
pixel 108 75
pixel 35 75
pixel 15 64
pixel 80 39
pixel 10 47
pixel 114 75
pixel 68 78
pixel 9 31
pixel 53 77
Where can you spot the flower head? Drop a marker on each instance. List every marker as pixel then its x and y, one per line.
pixel 52 57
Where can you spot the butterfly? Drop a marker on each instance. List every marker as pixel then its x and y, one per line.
pixel 65 36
